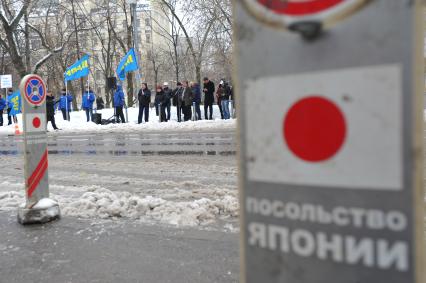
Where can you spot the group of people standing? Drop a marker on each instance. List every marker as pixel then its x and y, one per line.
pixel 64 105
pixel 8 105
pixel 185 96
pixel 65 100
pixel 88 98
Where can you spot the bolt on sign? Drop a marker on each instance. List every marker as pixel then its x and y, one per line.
pixel 331 139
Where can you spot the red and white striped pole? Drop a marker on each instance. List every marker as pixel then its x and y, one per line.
pixel 39 208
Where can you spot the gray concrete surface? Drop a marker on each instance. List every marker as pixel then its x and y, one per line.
pixel 72 250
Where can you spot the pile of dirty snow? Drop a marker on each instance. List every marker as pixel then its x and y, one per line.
pixel 98 202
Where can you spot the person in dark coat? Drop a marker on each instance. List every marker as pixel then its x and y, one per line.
pixel 162 103
pixel 208 89
pixel 219 93
pixel 118 104
pixel 187 97
pixel 50 110
pixel 196 91
pixel 177 100
pixel 168 96
pixel 9 109
pixel 225 100
pixel 100 104
pixel 2 106
pixel 157 103
pixel 144 97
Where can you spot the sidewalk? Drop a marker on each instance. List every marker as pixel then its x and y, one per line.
pixel 73 250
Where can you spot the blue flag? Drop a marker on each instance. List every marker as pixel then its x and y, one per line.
pixel 127 64
pixel 78 70
pixel 15 100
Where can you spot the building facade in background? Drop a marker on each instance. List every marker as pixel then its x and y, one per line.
pixel 104 31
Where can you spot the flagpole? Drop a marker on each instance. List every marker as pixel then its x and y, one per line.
pixel 88 89
pixel 66 101
pixel 7 103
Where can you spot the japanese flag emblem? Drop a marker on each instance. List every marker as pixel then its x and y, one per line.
pixel 35 123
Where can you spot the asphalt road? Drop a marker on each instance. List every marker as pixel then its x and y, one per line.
pixel 73 250
pixel 124 250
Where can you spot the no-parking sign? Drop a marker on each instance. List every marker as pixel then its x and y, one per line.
pixel 34 90
pixel 330 141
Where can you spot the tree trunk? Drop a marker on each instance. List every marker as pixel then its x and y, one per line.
pixel 27 44
pixel 107 97
pixel 130 87
pixel 16 59
pixel 74 101
pixel 198 72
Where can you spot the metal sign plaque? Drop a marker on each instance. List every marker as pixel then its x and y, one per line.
pixel 6 81
pixel 35 139
pixel 330 142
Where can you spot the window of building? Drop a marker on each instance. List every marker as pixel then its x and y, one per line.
pixel 148 22
pixel 148 38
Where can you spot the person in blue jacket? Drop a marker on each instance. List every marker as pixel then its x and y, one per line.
pixel 87 105
pixel 118 104
pixel 65 104
pixel 10 105
pixel 2 106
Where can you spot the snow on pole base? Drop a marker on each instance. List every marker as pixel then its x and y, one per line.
pixel 45 210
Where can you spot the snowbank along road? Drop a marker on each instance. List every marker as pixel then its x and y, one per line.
pixel 186 179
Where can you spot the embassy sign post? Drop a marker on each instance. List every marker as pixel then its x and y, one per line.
pixel 331 140
pixel 38 207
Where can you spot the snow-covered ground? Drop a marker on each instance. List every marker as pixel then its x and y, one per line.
pixel 173 190
pixel 78 123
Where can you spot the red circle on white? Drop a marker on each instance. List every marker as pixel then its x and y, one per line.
pixel 314 129
pixel 36 122
pixel 299 7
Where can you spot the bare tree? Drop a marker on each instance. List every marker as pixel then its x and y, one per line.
pixel 18 47
pixel 198 30
pixel 125 43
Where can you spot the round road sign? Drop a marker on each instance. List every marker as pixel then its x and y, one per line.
pixel 34 90
pixel 292 12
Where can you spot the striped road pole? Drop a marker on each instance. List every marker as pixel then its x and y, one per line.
pixel 38 207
